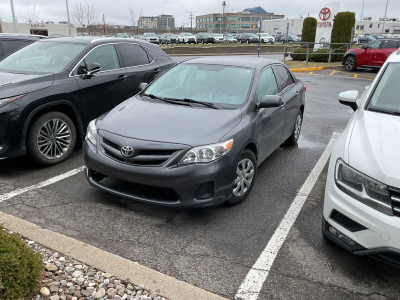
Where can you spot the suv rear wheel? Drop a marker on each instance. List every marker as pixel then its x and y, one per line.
pixel 51 138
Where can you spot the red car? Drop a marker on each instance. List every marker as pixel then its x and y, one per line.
pixel 371 55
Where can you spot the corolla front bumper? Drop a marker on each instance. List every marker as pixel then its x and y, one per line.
pixel 167 184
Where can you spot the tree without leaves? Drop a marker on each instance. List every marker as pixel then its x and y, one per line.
pixel 132 20
pixel 32 16
pixel 91 16
pixel 78 15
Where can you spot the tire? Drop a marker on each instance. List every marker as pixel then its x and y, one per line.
pixel 294 137
pixel 350 63
pixel 56 141
pixel 242 187
pixel 262 41
pixel 248 42
pixel 241 42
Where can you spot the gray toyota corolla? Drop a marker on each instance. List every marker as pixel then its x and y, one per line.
pixel 195 136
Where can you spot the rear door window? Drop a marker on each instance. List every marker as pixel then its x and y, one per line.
pixel 282 77
pixel 132 55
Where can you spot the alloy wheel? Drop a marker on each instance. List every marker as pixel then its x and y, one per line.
pixel 54 139
pixel 349 63
pixel 244 177
pixel 297 126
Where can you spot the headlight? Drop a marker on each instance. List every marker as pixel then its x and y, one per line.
pixel 10 99
pixel 363 188
pixel 91 134
pixel 206 153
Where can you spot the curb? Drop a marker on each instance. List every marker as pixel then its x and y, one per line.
pixel 162 284
pixel 307 69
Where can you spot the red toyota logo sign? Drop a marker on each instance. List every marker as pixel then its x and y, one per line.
pixel 325 14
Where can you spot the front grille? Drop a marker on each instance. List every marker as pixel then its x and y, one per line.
pixel 395 196
pixel 141 157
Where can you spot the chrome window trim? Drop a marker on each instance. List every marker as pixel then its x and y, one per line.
pixel 115 43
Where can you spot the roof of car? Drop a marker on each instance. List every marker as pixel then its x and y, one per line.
pixel 240 61
pixel 22 36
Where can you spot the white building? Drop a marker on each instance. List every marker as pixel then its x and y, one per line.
pixel 40 28
pixel 365 27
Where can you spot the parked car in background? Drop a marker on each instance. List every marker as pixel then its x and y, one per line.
pixel 196 135
pixel 361 210
pixel 370 55
pixel 365 39
pixel 187 38
pixel 266 38
pixel 218 37
pixel 168 38
pixel 247 38
pixel 205 38
pixel 230 39
pixel 291 38
pixel 12 42
pixel 151 37
pixel 51 89
pixel 122 35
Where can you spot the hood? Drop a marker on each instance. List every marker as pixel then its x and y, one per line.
pixel 374 147
pixel 170 123
pixel 13 84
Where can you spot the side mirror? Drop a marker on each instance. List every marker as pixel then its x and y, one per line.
pixel 91 68
pixel 142 86
pixel 349 98
pixel 270 101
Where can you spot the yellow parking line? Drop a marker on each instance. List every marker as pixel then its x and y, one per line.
pixel 355 76
pixel 333 72
pixel 310 73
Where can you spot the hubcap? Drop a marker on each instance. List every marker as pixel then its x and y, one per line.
pixel 349 63
pixel 54 139
pixel 244 177
pixel 297 127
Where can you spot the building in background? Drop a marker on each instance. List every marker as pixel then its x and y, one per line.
pixel 46 28
pixel 159 22
pixel 245 21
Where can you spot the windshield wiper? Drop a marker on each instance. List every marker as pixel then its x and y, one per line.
pixel 172 101
pixel 188 100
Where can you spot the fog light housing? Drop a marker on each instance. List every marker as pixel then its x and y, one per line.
pixel 343 238
pixel 205 191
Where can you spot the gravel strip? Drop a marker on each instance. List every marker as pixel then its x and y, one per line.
pixel 64 278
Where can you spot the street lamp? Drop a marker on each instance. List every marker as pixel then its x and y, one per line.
pixel 223 13
pixel 13 16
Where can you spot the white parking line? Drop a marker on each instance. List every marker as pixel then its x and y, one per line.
pixel 40 185
pixel 254 280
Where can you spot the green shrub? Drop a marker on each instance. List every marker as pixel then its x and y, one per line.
pixel 342 25
pixel 300 54
pixel 20 267
pixel 309 31
pixel 319 55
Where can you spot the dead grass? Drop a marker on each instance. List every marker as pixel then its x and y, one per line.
pixel 302 64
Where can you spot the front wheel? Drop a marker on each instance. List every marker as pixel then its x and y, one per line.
pixel 246 172
pixel 51 138
pixel 292 140
pixel 350 63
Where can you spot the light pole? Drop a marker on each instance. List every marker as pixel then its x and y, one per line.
pixel 240 24
pixel 362 11
pixel 13 16
pixel 384 18
pixel 69 21
pixel 223 14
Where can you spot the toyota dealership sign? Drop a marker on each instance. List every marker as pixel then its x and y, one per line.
pixel 325 23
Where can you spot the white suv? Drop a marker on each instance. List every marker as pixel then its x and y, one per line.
pixel 362 195
pixel 266 38
pixel 187 38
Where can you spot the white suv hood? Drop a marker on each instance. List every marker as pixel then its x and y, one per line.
pixel 374 147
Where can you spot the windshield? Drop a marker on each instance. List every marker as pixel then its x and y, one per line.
pixel 187 34
pixel 42 57
pixel 252 35
pixel 386 96
pixel 215 84
pixel 150 34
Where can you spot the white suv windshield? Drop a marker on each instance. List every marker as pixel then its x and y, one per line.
pixel 46 57
pixel 386 95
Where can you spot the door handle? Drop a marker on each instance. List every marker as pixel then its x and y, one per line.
pixel 122 77
pixel 156 71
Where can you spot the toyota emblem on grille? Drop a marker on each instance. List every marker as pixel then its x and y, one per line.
pixel 127 151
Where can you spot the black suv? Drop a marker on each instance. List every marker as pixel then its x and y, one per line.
pixel 247 38
pixel 168 38
pixel 12 42
pixel 52 89
pixel 204 38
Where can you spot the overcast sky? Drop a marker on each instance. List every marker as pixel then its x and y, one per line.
pixel 115 11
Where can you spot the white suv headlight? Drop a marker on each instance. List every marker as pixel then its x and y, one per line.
pixel 363 188
pixel 206 153
pixel 91 134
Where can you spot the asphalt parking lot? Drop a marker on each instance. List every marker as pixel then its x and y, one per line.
pixel 215 248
